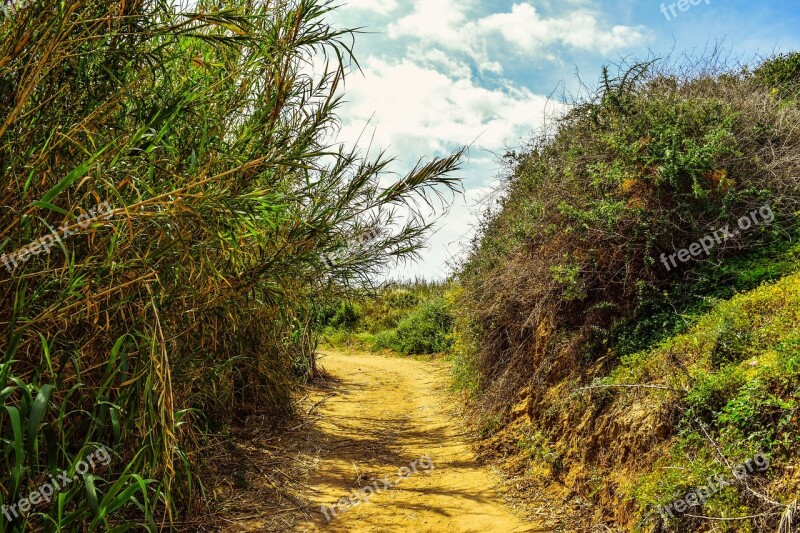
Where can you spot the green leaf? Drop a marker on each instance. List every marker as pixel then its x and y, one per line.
pixel 37 413
pixel 91 492
pixel 68 180
pixel 19 454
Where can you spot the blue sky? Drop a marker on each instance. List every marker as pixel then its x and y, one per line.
pixel 440 74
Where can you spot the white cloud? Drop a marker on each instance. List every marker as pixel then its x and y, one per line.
pixel 382 7
pixel 529 32
pixel 439 61
pixel 417 110
pixel 447 23
pixel 438 21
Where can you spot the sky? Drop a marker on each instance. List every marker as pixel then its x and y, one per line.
pixel 437 75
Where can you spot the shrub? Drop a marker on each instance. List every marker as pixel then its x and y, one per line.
pixel 570 263
pixel 564 299
pixel 347 316
pixel 402 299
pixel 386 340
pixel 380 312
pixel 427 330
pixel 782 74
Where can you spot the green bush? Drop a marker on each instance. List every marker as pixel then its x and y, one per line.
pixel 377 314
pixel 575 255
pixel 712 391
pixel 385 340
pixel 567 281
pixel 347 316
pixel 402 299
pixel 781 73
pixel 427 330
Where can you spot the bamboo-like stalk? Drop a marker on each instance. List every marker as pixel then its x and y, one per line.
pixel 193 304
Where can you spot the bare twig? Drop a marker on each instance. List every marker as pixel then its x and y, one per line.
pixel 628 386
pixel 731 519
pixel 319 402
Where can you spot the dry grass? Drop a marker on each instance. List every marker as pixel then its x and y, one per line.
pixel 194 305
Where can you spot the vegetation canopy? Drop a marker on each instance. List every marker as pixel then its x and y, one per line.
pixel 210 136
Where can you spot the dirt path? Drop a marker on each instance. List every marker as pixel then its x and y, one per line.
pixel 384 414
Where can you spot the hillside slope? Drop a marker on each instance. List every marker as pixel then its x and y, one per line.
pixel 666 419
pixel 627 319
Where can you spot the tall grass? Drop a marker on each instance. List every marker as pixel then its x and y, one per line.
pixel 209 134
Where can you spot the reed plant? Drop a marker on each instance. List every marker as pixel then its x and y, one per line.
pixel 210 133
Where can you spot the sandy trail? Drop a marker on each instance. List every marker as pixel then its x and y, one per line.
pixel 387 413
